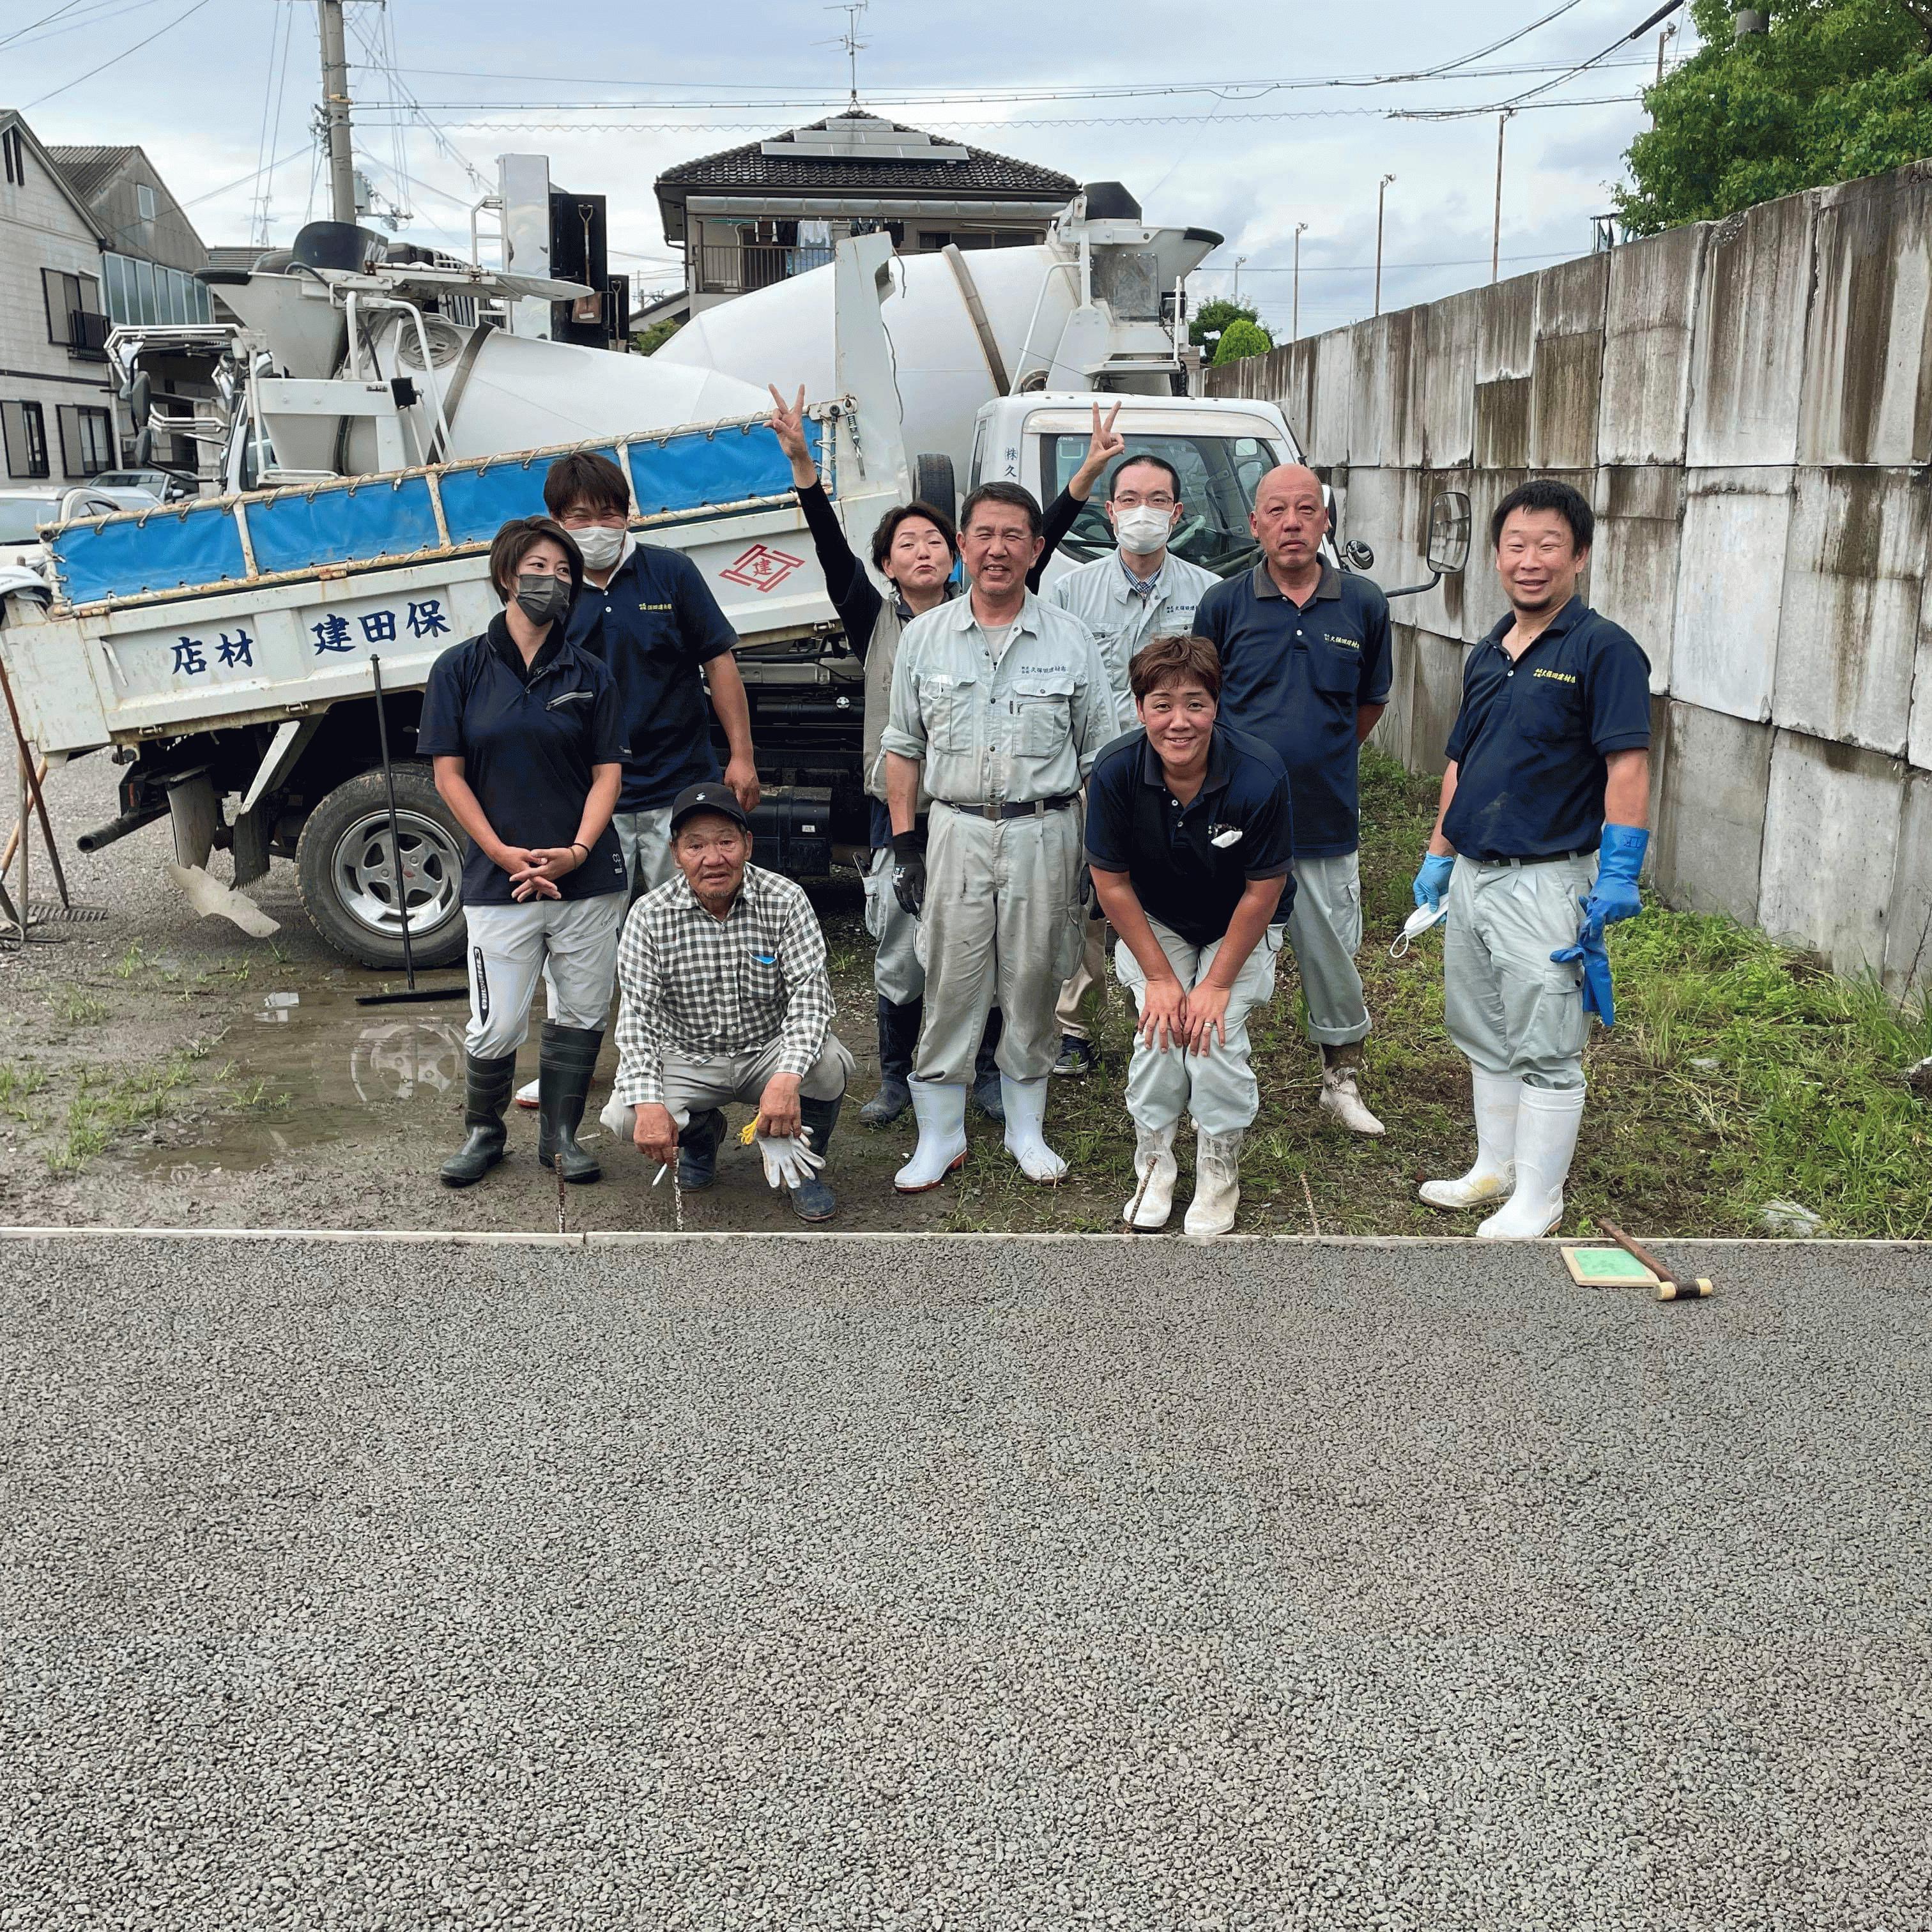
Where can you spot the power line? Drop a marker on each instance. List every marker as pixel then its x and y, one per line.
pixel 1518 101
pixel 66 6
pixel 115 59
pixel 97 13
pixel 1368 268
pixel 1494 47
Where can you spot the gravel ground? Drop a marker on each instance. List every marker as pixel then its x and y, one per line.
pixel 974 1584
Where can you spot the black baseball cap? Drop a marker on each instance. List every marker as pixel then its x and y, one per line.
pixel 710 796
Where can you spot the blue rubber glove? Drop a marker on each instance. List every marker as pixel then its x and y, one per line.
pixel 1432 881
pixel 1615 895
pixel 1599 995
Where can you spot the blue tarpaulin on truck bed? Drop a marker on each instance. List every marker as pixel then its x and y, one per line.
pixel 170 550
pixel 701 466
pixel 373 519
pixel 477 503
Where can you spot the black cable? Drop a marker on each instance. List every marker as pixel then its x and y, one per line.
pixel 114 60
pixel 1643 26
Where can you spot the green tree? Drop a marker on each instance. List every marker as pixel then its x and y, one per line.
pixel 1205 324
pixel 1242 337
pixel 657 335
pixel 1836 89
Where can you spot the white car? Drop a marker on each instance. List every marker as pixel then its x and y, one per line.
pixel 23 512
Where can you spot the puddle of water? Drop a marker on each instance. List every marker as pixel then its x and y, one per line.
pixel 344 1070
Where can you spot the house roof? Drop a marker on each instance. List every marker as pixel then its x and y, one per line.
pixel 89 169
pixel 841 163
pixel 11 117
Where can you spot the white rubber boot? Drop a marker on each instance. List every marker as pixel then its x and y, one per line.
pixel 941 1111
pixel 1546 1122
pixel 1498 1097
pixel 1217 1183
pixel 1153 1165
pixel 1340 1095
pixel 526 1096
pixel 1025 1103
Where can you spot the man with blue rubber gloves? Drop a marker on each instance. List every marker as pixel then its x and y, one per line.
pixel 1545 805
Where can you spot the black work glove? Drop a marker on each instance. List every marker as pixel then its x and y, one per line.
pixel 909 871
pixel 1089 898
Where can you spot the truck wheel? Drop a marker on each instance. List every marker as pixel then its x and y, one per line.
pixel 932 483
pixel 348 886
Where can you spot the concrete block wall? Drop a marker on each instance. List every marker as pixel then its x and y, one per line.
pixel 1747 404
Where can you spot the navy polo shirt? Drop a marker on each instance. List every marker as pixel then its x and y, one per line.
pixel 1295 677
pixel 1529 742
pixel 527 740
pixel 654 624
pixel 1189 864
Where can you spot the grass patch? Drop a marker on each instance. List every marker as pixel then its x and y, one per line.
pixel 102 1109
pixel 1738 1073
pixel 18 1085
pixel 79 1007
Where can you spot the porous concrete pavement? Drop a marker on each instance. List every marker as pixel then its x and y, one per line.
pixel 985 1584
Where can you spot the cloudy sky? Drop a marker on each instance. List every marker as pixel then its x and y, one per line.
pixel 224 86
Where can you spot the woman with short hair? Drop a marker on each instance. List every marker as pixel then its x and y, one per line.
pixel 522 729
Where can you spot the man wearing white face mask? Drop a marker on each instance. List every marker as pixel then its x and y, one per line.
pixel 1141 592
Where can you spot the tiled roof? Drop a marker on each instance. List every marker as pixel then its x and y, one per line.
pixel 88 169
pixel 979 173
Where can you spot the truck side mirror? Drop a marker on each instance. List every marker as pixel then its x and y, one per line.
pixel 1448 549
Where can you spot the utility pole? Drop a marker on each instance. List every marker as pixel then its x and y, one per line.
pixel 1381 194
pixel 1294 327
pixel 335 110
pixel 1238 260
pixel 1496 230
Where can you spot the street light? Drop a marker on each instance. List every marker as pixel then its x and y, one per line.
pixel 1295 326
pixel 1238 260
pixel 1381 194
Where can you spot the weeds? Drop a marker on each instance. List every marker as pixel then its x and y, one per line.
pixel 79 1007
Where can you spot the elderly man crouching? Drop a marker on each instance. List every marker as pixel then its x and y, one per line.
pixel 726 999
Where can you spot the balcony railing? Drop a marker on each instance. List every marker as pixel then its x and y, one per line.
pixel 87 335
pixel 735 269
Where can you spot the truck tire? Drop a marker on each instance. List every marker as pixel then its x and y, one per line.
pixel 932 483
pixel 342 870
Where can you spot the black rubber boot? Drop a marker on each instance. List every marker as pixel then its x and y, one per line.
pixel 697 1150
pixel 812 1200
pixel 986 1072
pixel 899 1034
pixel 563 1085
pixel 486 1096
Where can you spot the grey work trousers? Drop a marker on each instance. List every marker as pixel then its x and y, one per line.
pixel 693 1086
pixel 644 839
pixel 1217 1087
pixel 1001 927
pixel 1324 929
pixel 572 943
pixel 1511 1010
pixel 897 975
pixel 1089 972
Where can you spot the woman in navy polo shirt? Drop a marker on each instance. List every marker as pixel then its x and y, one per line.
pixel 523 730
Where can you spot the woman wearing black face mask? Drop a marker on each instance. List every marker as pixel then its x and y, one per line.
pixel 523 730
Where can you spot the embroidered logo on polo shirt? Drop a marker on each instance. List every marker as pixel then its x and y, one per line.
pixel 1561 676
pixel 1347 644
pixel 657 607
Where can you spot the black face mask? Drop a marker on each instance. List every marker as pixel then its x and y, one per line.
pixel 543 599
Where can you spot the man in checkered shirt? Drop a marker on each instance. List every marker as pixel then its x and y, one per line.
pixel 726 999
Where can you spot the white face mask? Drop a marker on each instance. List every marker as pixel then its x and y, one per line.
pixel 601 547
pixel 1141 530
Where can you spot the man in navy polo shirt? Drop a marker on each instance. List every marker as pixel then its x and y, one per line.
pixel 1544 820
pixel 1305 667
pixel 1189 838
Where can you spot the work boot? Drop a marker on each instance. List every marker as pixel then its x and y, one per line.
pixel 697 1150
pixel 1547 1121
pixel 1217 1183
pixel 1339 1094
pixel 986 1073
pixel 940 1108
pixel 530 1095
pixel 563 1084
pixel 1025 1103
pixel 486 1094
pixel 1152 1201
pixel 1498 1096
pixel 898 1035
pixel 811 1199
pixel 1078 1056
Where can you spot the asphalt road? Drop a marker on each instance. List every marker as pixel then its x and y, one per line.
pixel 850 1583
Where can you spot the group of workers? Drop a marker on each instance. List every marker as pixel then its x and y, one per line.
pixel 1144 749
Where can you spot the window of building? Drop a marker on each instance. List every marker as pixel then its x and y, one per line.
pixel 14 150
pixel 140 292
pixel 86 440
pixel 144 201
pixel 23 429
pixel 74 316
pixel 933 239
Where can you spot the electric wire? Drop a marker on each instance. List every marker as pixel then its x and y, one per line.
pixel 1516 102
pixel 67 7
pixel 114 60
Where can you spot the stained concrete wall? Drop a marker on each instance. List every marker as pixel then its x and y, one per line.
pixel 1747 404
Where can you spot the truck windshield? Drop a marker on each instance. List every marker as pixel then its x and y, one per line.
pixel 18 514
pixel 1219 475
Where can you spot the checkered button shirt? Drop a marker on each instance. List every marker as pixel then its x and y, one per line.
pixel 704 987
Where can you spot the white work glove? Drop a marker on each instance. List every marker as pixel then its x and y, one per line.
pixel 789 1162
